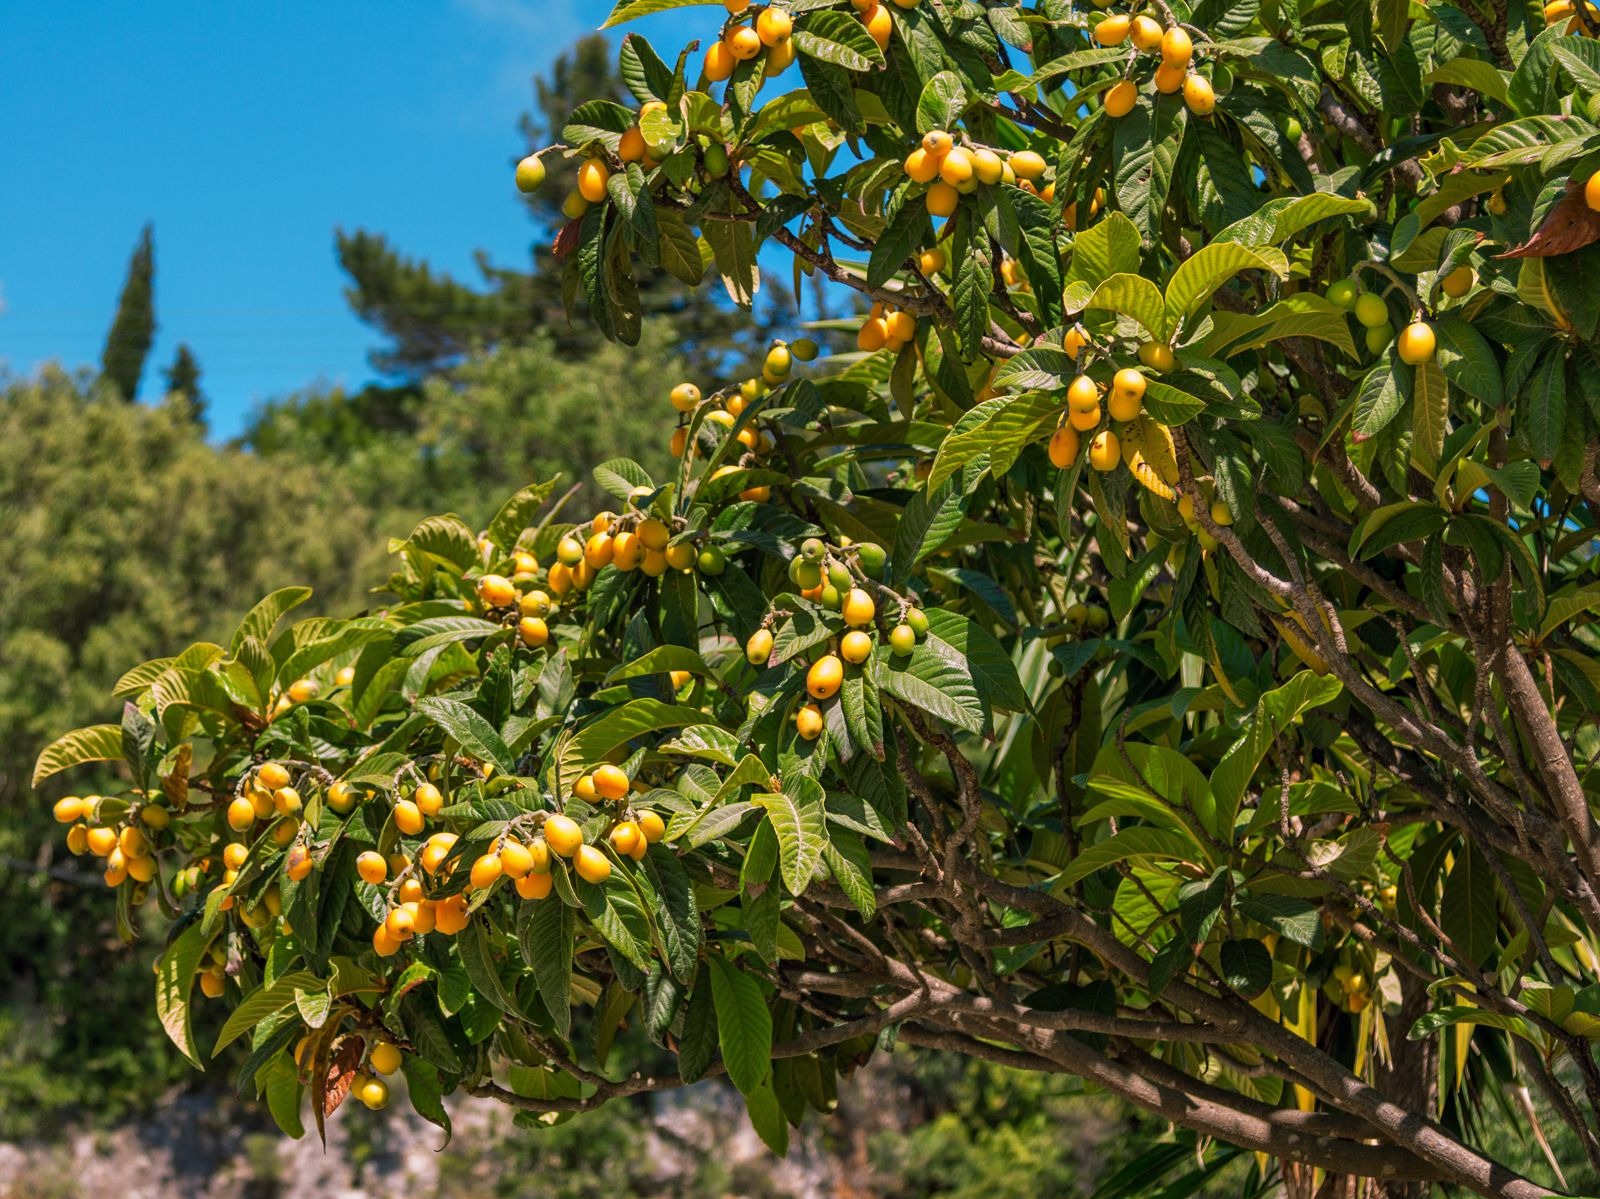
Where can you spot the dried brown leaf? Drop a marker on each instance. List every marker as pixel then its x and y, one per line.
pixel 1569 226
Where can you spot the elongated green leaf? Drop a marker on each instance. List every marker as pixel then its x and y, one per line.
pixel 97 743
pixel 1430 415
pixel 261 1003
pixel 1133 296
pixel 1381 397
pixel 263 618
pixel 175 971
pixel 628 10
pixel 744 1025
pixel 545 930
pixel 837 38
pixel 474 734
pixel 1137 844
pixel 798 819
pixel 1278 220
pixel 1467 913
pixel 1003 426
pixel 1275 711
pixel 1208 268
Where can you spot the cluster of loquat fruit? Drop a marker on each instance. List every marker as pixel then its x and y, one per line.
pixel 952 171
pixel 1417 340
pixel 1176 73
pixel 838 577
pixel 1132 438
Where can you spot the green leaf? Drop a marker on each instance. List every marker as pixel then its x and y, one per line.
pixel 97 743
pixel 620 476
pixel 445 539
pixel 1381 396
pixel 1276 221
pixel 837 38
pixel 1275 711
pixel 1467 912
pixel 1110 247
pixel 851 866
pixel 628 10
pixel 262 1003
pixel 279 1081
pixel 1542 407
pixel 1137 844
pixel 927 523
pixel 1133 296
pixel 175 971
pixel 1171 405
pixel 678 917
pixel 263 618
pixel 798 819
pixel 664 659
pixel 929 679
pixel 908 228
pixel 971 648
pixel 621 725
pixel 1246 966
pixel 1430 414
pixel 1448 1017
pixel 679 249
pixel 477 956
pixel 999 427
pixel 545 930
pixel 699 1038
pixel 615 910
pixel 733 248
pixel 942 102
pixel 426 1092
pixel 471 731
pixel 767 1118
pixel 744 1025
pixel 1145 146
pixel 1301 315
pixel 1195 281
pixel 1292 919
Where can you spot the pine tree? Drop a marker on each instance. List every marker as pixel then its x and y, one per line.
pixel 183 379
pixel 128 342
pixel 433 320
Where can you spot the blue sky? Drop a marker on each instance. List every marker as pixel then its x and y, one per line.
pixel 248 134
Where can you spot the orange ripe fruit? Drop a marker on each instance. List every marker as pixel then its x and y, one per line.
pixel 592 865
pixel 241 815
pixel 1121 98
pixel 625 836
pixel 824 677
pixel 535 886
pixel 719 62
pixel 808 722
pixel 610 782
pixel 515 860
pixel 407 818
pixel 652 827
pixel 1083 394
pixel 485 871
pixel 921 166
pixel 450 914
pixel 592 176
pixel 1064 447
pixel 563 834
pixel 744 43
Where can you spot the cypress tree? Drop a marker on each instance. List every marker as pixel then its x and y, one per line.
pixel 128 342
pixel 183 378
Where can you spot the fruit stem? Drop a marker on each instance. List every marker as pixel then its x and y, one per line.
pixel 1383 268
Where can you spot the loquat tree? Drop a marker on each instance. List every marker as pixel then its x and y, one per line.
pixel 1163 653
